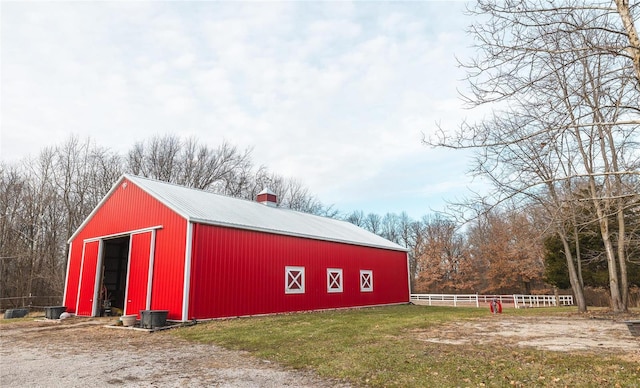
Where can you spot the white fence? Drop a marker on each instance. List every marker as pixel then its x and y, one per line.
pixel 518 301
pixel 447 299
pixel 542 300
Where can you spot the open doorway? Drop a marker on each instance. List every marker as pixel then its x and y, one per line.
pixel 114 275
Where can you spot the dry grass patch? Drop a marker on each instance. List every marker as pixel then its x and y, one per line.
pixel 429 346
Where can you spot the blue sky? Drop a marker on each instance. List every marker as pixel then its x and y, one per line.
pixel 335 94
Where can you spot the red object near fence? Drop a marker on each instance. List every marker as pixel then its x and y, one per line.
pixel 495 307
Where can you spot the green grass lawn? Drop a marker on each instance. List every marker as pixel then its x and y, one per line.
pixel 378 347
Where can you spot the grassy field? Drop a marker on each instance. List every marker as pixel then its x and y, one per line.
pixel 378 347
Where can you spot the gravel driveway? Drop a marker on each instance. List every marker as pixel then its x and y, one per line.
pixel 82 352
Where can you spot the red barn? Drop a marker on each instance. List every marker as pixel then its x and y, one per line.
pixel 152 245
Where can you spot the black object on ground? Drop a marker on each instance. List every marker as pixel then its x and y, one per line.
pixel 15 313
pixel 151 319
pixel 54 312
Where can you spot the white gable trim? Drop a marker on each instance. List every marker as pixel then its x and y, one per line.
pixel 95 209
pixel 108 195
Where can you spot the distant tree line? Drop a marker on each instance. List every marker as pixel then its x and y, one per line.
pixel 502 249
pixel 43 199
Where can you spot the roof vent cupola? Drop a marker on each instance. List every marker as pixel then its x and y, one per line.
pixel 267 197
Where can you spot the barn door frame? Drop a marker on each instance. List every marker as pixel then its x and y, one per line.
pixel 94 298
pixel 150 262
pixel 100 260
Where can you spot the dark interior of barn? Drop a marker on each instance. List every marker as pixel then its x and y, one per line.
pixel 114 275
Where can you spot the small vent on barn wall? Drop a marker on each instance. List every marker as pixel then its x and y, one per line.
pixel 267 197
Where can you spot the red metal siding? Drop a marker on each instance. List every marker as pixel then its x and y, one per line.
pixel 138 273
pixel 238 272
pixel 73 279
pixel 130 208
pixel 89 268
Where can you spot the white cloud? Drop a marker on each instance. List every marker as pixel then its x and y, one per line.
pixel 330 93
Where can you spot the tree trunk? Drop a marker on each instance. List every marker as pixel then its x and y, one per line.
pixel 632 34
pixel 576 286
pixel 576 236
pixel 624 280
pixel 614 287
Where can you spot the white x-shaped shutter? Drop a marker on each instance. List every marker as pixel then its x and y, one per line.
pixel 366 280
pixel 334 280
pixel 294 280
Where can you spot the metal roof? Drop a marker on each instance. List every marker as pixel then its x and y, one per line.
pixel 209 208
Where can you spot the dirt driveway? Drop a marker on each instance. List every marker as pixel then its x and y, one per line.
pixel 561 334
pixel 81 352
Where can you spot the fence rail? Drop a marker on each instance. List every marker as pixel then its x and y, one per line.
pixel 447 299
pixel 542 300
pixel 518 300
pixel 35 302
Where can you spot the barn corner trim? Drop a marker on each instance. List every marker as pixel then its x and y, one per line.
pixel 66 276
pixel 187 272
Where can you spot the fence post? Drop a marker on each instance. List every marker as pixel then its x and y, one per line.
pixel 477 301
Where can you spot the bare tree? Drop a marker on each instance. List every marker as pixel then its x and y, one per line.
pixel 373 223
pixel 82 174
pixel 191 164
pixel 625 11
pixel 563 81
pixel 297 196
pixel 356 217
pixel 13 251
pixel 224 169
pixel 44 199
pixel 402 230
pixel 409 234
